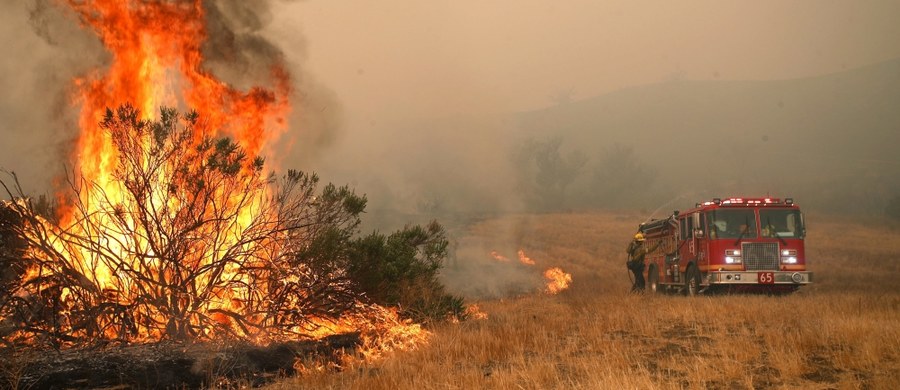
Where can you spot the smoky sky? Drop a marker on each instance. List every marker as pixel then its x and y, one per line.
pixel 427 88
pixel 420 105
pixel 439 57
pixel 413 102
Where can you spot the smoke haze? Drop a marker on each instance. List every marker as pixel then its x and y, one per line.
pixel 468 109
pixel 446 92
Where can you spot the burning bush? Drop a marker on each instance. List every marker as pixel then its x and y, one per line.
pixel 195 241
pixel 12 263
pixel 172 228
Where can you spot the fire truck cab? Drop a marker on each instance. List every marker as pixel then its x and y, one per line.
pixel 739 244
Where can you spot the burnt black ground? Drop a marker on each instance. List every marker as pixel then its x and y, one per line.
pixel 166 365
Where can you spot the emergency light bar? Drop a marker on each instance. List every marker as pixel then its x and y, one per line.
pixel 747 201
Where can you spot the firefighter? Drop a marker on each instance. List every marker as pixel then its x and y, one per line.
pixel 636 252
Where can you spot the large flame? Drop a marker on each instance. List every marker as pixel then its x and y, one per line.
pixel 157 61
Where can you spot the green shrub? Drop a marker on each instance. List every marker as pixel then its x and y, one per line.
pixel 401 270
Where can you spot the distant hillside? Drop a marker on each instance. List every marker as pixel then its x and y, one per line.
pixel 837 133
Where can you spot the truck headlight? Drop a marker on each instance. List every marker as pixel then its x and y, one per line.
pixel 788 256
pixel 732 256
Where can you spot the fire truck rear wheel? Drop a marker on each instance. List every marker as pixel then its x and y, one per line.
pixel 653 279
pixel 692 281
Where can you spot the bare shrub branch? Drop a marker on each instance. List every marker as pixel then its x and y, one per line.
pixel 187 239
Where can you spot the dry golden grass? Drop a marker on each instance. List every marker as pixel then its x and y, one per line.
pixel 842 332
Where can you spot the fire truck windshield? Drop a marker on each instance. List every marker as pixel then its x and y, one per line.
pixel 737 223
pixel 785 223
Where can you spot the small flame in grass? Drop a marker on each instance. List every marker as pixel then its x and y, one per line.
pixel 390 333
pixel 497 256
pixel 382 331
pixel 557 280
pixel 525 259
pixel 474 312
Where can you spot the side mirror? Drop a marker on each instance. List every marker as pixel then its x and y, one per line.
pixel 803 226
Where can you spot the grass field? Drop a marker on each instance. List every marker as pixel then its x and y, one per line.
pixel 841 332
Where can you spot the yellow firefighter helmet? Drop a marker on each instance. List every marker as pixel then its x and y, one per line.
pixel 639 237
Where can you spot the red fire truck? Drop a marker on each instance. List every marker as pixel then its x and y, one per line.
pixel 737 244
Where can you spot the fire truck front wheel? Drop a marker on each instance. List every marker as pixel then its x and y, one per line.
pixel 692 281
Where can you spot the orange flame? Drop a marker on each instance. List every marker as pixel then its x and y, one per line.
pixel 497 256
pixel 525 259
pixel 382 332
pixel 381 329
pixel 474 312
pixel 156 61
pixel 557 280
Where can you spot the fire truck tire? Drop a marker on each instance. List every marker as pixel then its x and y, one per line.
pixel 692 281
pixel 653 279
